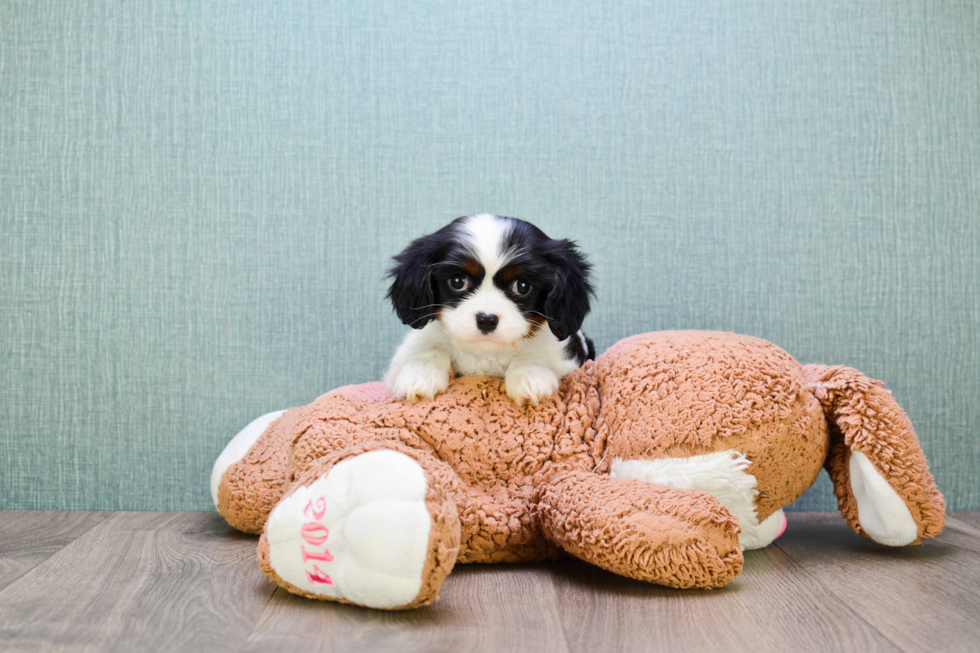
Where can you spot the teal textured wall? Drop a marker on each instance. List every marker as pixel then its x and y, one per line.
pixel 197 201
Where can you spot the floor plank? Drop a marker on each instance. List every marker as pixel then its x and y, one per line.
pixel 960 530
pixel 29 537
pixel 139 582
pixel 922 597
pixel 481 608
pixel 76 581
pixel 772 606
pixel 971 518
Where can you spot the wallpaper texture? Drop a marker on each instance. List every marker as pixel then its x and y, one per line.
pixel 198 201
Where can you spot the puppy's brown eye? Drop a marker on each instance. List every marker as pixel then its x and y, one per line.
pixel 458 283
pixel 521 288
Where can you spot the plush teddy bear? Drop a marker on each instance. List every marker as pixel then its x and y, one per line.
pixel 661 460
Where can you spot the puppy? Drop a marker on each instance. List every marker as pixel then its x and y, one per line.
pixel 489 295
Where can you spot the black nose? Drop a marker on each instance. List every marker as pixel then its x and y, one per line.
pixel 486 322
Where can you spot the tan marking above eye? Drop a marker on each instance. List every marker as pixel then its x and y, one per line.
pixel 507 274
pixel 472 267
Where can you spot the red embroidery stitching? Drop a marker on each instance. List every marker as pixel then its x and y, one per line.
pixel 318 576
pixel 307 556
pixel 313 527
pixel 321 507
pixel 316 534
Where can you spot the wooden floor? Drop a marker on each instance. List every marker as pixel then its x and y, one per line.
pixel 100 581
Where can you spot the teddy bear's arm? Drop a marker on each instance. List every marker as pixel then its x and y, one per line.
pixel 676 537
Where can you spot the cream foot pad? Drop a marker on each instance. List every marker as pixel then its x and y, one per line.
pixel 359 533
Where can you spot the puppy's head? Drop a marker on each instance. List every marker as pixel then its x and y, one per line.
pixel 492 281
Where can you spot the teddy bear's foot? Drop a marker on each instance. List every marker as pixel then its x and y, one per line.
pixel 374 529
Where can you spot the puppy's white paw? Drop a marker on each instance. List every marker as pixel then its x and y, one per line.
pixel 420 380
pixel 531 383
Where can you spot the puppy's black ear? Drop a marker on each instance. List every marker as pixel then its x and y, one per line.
pixel 569 300
pixel 411 291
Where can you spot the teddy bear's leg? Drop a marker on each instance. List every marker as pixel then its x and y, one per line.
pixel 238 447
pixel 676 537
pixel 372 525
pixel 880 475
pixel 248 477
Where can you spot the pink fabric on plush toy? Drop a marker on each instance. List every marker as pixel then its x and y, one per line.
pixel 782 529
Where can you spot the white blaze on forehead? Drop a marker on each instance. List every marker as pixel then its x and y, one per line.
pixel 485 235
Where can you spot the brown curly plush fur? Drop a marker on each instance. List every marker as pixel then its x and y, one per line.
pixel 529 482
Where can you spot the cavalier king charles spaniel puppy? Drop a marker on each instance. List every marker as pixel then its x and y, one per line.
pixel 489 295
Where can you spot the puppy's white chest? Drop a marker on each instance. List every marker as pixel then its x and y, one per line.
pixel 468 363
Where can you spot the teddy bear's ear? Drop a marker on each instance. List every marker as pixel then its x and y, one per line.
pixel 880 474
pixel 411 291
pixel 569 300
